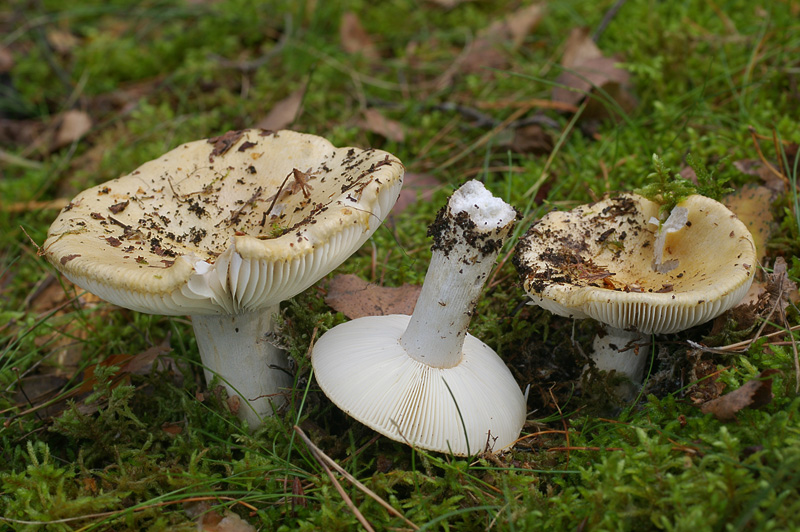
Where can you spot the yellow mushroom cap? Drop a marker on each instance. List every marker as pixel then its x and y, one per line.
pixel 231 224
pixel 597 261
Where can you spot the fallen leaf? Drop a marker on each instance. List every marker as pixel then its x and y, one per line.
pixel 751 204
pixel 586 69
pixel 284 112
pixel 377 123
pixel 74 125
pixel 780 287
pixel 579 49
pixel 769 176
pixel 354 38
pixel 416 187
pixel 62 41
pixel 752 394
pixel 356 298
pixel 213 522
pixel 532 139
pixel 487 52
pixel 128 365
pixel 6 60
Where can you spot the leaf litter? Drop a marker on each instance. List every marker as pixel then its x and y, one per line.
pixel 356 298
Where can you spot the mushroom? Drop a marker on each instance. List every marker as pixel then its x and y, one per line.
pixel 615 262
pixel 423 379
pixel 223 230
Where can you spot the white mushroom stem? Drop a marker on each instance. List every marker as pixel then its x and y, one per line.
pixel 675 222
pixel 237 348
pixel 626 352
pixel 468 235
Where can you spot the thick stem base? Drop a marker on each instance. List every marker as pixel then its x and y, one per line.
pixel 236 348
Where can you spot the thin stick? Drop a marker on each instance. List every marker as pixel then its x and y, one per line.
pixel 764 159
pixel 322 457
pixel 340 489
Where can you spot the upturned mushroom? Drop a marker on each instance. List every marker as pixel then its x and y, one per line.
pixel 422 379
pixel 223 230
pixel 614 261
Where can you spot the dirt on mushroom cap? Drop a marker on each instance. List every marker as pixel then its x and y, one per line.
pixel 603 252
pixel 273 196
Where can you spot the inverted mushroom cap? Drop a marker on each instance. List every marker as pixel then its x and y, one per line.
pixel 598 261
pixel 225 225
pixel 409 401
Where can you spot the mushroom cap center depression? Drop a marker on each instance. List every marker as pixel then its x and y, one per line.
pixel 610 246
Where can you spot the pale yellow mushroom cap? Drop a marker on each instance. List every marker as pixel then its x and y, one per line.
pixel 597 261
pixel 231 224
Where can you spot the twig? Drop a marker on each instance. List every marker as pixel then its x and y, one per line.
pixel 563 422
pixel 324 459
pixel 607 18
pixel 484 139
pixel 769 166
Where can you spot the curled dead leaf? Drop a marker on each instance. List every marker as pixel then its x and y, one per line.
pixel 377 123
pixel 752 394
pixel 586 70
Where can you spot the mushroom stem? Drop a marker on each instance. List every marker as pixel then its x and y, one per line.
pixel 236 348
pixel 468 234
pixel 622 351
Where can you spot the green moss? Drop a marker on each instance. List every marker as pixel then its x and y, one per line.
pixel 155 74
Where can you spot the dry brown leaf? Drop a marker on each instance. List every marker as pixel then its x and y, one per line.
pixel 356 298
pixel 284 112
pixel 757 168
pixel 780 287
pixel 74 125
pixel 486 51
pixel 128 365
pixel 532 139
pixel 62 41
pixel 6 60
pixel 587 69
pixel 751 204
pixel 579 49
pixel 752 394
pixel 416 187
pixel 354 38
pixel 377 123
pixel 213 522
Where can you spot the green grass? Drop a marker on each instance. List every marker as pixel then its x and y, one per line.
pixel 154 74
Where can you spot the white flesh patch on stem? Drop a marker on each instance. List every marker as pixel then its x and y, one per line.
pixel 237 348
pixel 468 236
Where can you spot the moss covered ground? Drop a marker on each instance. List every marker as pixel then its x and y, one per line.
pixel 456 90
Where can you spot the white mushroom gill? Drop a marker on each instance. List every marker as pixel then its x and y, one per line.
pixel 422 379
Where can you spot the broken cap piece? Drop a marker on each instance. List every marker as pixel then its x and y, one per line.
pixel 421 379
pixel 598 261
pixel 223 230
